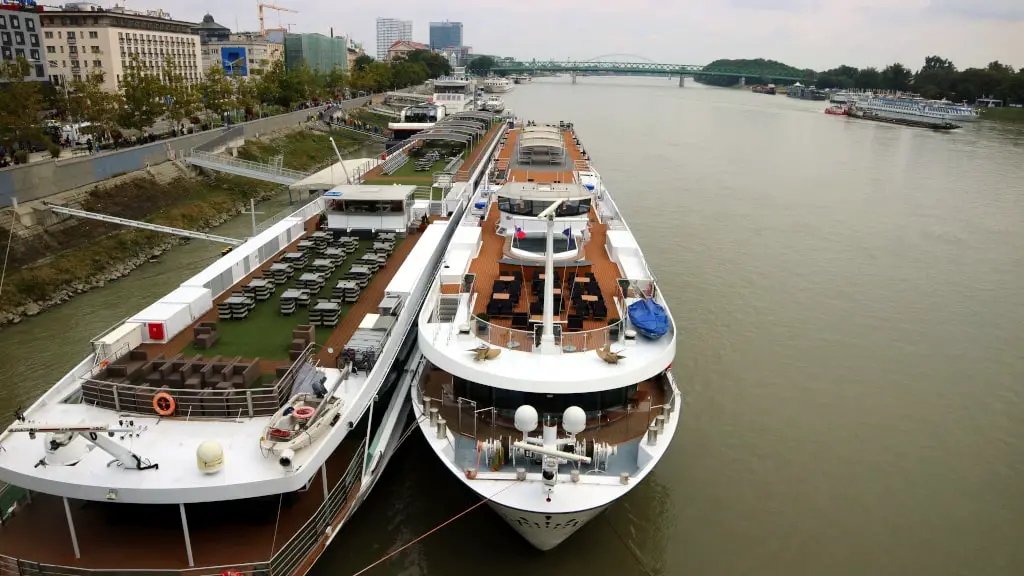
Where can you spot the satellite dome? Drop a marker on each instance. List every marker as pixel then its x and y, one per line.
pixel 210 457
pixel 526 418
pixel 574 420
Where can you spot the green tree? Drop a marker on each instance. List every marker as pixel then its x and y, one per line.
pixel 182 98
pixel 896 77
pixel 868 79
pixel 88 101
pixel 21 103
pixel 936 78
pixel 436 64
pixel 298 85
pixel 217 91
pixel 363 61
pixel 268 86
pixel 481 65
pixel 142 94
pixel 409 74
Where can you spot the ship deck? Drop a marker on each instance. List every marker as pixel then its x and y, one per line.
pixel 149 537
pixel 266 333
pixel 488 266
pixel 617 426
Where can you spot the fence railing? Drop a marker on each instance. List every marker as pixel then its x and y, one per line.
pixel 513 339
pixel 298 548
pixel 591 339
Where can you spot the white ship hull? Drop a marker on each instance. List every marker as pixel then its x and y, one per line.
pixel 546 531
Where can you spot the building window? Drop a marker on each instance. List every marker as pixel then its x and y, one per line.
pixel 15 22
pixel 71 35
pixel 19 37
pixel 93 34
pixel 48 35
pixel 34 55
pixel 51 50
pixel 72 49
pixel 97 63
pixel 95 49
pixel 33 39
pixel 52 63
pixel 3 22
pixel 6 51
pixel 5 37
pixel 77 77
pixel 30 25
pixel 19 52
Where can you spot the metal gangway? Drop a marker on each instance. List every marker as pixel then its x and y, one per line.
pixel 370 135
pixel 238 167
pixel 143 225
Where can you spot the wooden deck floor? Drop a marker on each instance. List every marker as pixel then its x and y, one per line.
pixel 522 175
pixel 487 270
pixel 613 427
pixel 150 537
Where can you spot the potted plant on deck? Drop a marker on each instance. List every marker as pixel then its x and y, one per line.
pixel 424 222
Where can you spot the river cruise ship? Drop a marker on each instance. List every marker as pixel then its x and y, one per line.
pixel 498 84
pixel 549 343
pixel 451 95
pixel 235 425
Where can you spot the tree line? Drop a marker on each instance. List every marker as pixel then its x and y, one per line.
pixel 143 97
pixel 938 78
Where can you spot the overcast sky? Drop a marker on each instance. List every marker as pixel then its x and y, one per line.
pixel 804 33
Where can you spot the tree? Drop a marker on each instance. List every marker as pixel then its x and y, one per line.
pixel 246 95
pixel 90 102
pixel 182 99
pixel 409 73
pixel 217 91
pixel 935 79
pixel 268 86
pixel 896 77
pixel 363 61
pixel 21 103
pixel 142 94
pixel 436 64
pixel 481 65
pixel 868 79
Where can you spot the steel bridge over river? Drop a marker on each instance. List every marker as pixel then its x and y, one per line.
pixel 637 66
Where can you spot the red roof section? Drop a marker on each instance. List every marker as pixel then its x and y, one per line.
pixel 410 45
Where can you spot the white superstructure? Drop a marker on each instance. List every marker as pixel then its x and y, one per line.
pixel 498 84
pixel 542 394
pixel 917 109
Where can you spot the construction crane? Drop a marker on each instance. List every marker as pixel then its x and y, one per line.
pixel 261 6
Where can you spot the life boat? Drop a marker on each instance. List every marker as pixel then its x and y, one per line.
pixel 300 422
pixel 837 111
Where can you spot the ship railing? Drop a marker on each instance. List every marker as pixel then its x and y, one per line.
pixel 510 338
pixel 314 532
pixel 13 567
pixel 591 340
pixel 233 403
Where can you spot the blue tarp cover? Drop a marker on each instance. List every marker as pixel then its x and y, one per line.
pixel 649 318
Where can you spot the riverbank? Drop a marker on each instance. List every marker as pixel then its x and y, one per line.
pixel 1010 115
pixel 51 267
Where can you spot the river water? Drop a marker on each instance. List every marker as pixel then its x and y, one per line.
pixel 851 302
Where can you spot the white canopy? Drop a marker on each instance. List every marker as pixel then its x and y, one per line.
pixel 329 177
pixel 370 193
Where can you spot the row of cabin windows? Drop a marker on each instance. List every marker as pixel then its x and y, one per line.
pixel 535 207
pixel 548 405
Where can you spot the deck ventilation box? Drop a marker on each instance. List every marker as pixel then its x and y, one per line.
pixel 390 305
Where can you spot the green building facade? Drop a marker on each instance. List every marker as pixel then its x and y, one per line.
pixel 321 53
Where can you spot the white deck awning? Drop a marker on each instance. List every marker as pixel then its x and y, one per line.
pixel 330 177
pixel 370 193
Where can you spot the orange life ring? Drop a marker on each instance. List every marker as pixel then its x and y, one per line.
pixel 163 404
pixel 304 412
pixel 104 363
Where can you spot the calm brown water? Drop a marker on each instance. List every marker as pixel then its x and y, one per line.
pixel 851 298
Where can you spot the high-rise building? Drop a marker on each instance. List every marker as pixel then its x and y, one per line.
pixel 389 31
pixel 19 27
pixel 85 38
pixel 445 34
pixel 321 53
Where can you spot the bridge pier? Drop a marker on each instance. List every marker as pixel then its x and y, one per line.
pixel 573 74
pixel 743 81
pixel 681 85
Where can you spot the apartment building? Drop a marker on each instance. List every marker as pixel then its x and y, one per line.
pixel 20 37
pixel 79 42
pixel 389 31
pixel 244 54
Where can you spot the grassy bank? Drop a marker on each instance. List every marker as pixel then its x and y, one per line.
pixel 49 267
pixel 1014 115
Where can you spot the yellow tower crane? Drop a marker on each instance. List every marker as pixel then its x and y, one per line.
pixel 261 6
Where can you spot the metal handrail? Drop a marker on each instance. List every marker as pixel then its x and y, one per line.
pixel 501 336
pixel 248 164
pixel 589 340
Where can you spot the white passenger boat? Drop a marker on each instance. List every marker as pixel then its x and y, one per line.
pixel 548 344
pixel 498 84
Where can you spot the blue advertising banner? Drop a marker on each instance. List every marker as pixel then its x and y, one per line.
pixel 234 61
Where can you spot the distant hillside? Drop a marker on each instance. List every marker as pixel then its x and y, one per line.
pixel 765 69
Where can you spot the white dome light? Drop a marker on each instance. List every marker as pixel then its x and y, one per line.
pixel 526 418
pixel 574 420
pixel 210 457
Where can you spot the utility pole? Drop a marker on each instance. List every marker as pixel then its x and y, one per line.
pixel 252 211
